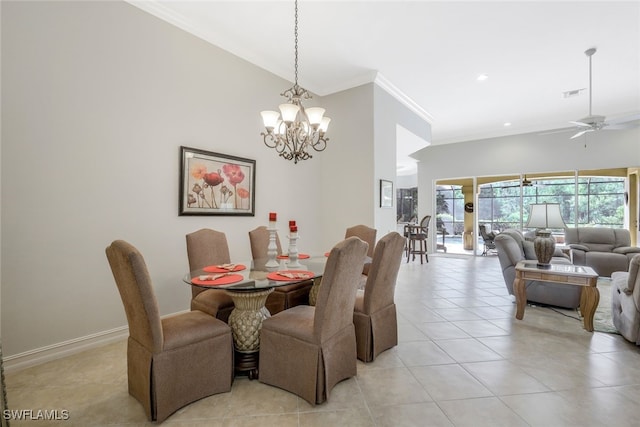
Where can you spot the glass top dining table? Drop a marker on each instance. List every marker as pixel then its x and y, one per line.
pixel 254 276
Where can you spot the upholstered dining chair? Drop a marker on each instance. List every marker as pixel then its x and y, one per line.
pixel 282 297
pixel 307 350
pixel 367 234
pixel 209 247
pixel 374 313
pixel 172 361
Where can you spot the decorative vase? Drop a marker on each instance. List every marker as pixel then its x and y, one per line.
pixel 544 246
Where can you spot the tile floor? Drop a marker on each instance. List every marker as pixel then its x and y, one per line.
pixel 462 360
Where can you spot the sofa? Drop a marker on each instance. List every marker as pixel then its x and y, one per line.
pixel 625 301
pixel 513 247
pixel 604 249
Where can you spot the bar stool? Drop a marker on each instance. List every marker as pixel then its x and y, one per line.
pixel 418 233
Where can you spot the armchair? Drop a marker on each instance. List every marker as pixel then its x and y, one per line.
pixel 604 249
pixel 512 248
pixel 625 301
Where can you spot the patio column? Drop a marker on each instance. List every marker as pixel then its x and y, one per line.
pixel 467 234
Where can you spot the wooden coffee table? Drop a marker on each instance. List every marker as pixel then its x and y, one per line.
pixel 575 275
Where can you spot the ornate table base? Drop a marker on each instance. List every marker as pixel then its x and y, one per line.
pixel 245 322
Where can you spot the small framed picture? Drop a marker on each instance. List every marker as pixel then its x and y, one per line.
pixel 386 193
pixel 216 184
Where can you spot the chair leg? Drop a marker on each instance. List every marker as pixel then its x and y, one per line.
pixel 407 248
pixel 426 254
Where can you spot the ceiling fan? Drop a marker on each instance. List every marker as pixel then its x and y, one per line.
pixel 593 122
pixel 525 182
pixel 590 123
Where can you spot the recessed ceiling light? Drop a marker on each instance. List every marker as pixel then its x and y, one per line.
pixel 482 77
pixel 507 124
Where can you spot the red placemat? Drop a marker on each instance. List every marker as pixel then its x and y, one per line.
pixel 327 253
pixel 300 256
pixel 220 269
pixel 224 280
pixel 278 275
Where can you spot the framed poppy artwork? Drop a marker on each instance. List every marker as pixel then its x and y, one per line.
pixel 216 184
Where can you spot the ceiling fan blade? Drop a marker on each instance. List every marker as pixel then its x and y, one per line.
pixel 582 132
pixel 627 125
pixel 581 124
pixel 624 119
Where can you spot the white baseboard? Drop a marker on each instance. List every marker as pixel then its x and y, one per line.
pixel 37 356
pixel 59 350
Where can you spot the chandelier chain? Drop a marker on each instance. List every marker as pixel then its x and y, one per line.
pixel 295 32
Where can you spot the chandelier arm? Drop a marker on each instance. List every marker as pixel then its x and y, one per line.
pixel 320 144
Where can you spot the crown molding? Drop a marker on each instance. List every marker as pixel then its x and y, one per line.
pixel 393 90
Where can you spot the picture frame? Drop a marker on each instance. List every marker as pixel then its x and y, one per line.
pixel 216 184
pixel 386 193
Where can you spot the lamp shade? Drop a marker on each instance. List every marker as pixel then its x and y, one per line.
pixel 545 215
pixel 324 124
pixel 315 115
pixel 289 112
pixel 270 118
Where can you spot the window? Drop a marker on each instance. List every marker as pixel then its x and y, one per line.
pixel 600 201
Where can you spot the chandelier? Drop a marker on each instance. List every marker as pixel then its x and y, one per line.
pixel 299 128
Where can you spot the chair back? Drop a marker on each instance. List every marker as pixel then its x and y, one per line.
pixel 381 281
pixel 365 233
pixel 259 240
pixel 484 234
pixel 424 222
pixel 206 247
pixel 136 290
pixel 337 295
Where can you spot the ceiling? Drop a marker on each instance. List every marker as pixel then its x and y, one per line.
pixel 431 53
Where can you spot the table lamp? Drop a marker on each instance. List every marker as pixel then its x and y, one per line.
pixel 541 217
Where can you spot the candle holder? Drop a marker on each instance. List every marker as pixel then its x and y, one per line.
pixel 272 248
pixel 293 250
